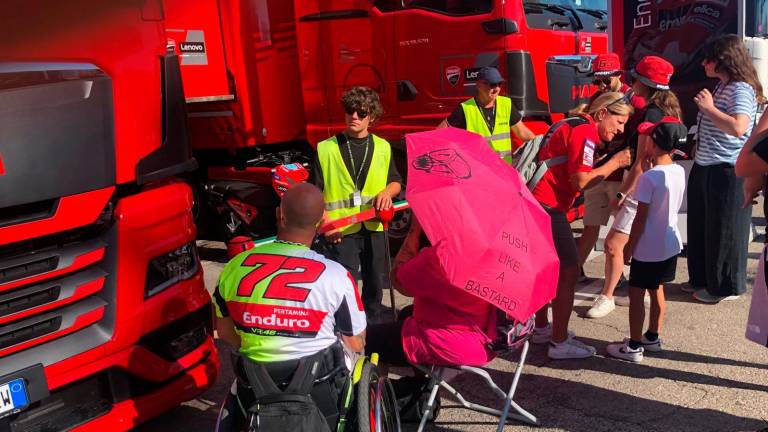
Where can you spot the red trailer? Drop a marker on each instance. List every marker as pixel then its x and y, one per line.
pixel 263 79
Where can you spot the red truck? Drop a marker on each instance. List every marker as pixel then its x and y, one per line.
pixel 263 79
pixel 104 319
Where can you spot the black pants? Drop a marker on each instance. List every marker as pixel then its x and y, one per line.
pixel 718 230
pixel 386 339
pixel 364 255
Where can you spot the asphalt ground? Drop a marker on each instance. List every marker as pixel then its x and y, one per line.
pixel 708 378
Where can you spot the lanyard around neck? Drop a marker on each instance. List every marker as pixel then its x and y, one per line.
pixel 355 171
pixel 485 119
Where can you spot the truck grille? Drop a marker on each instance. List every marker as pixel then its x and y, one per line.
pixel 15 336
pixel 28 269
pixel 53 290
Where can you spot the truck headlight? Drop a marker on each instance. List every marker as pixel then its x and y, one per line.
pixel 170 268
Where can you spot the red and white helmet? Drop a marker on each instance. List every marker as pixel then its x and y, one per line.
pixel 285 176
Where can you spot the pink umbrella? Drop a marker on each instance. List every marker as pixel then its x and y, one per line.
pixel 492 238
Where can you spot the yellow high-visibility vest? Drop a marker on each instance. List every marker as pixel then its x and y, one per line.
pixel 339 186
pixel 501 139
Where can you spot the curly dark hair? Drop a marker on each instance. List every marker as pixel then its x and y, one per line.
pixel 363 99
pixel 731 57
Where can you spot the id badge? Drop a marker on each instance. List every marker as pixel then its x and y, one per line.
pixel 357 199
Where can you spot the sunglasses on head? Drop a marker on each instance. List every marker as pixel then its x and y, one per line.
pixel 360 113
pixel 624 100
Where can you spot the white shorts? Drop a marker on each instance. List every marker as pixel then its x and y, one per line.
pixel 597 201
pixel 622 221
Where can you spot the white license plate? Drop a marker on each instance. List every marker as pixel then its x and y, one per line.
pixel 13 396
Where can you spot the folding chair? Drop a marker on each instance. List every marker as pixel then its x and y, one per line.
pixel 440 375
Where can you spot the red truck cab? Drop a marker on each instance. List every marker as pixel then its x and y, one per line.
pixel 104 319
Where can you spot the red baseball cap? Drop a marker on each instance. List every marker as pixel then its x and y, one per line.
pixel 653 71
pixel 606 65
pixel 668 133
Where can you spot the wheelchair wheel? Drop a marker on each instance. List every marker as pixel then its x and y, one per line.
pixel 376 403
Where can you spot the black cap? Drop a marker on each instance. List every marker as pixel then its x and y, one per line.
pixel 668 133
pixel 490 74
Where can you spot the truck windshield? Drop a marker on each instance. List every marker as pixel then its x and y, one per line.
pixel 568 15
pixel 601 5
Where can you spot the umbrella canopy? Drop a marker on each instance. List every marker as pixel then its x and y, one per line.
pixel 492 238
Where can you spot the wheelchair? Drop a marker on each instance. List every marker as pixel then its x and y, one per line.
pixel 319 389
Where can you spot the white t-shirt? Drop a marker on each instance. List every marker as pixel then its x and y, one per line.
pixel 662 188
pixel 287 301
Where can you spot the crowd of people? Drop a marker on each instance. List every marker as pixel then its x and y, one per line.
pixel 279 303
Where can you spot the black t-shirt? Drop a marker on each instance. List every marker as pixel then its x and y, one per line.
pixel 651 113
pixel 458 120
pixel 357 148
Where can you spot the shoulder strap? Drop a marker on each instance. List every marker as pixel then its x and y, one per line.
pixel 546 164
pixel 304 377
pixel 570 121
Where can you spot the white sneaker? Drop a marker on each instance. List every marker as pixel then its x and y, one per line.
pixel 602 307
pixel 624 352
pixel 570 349
pixel 654 346
pixel 542 335
pixel 624 300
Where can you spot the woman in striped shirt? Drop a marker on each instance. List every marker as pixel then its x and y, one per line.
pixel 718 224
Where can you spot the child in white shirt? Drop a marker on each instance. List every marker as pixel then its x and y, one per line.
pixel 654 241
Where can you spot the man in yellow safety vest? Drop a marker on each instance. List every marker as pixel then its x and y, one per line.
pixel 491 115
pixel 355 171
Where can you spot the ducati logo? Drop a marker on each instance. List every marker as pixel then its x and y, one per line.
pixel 452 74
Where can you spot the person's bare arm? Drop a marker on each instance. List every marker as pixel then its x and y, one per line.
pixel 752 186
pixel 355 343
pixel 408 249
pixel 443 124
pixel 749 164
pixel 225 329
pixel 633 173
pixel 638 226
pixel 521 131
pixel 383 200
pixel 585 180
pixel 735 125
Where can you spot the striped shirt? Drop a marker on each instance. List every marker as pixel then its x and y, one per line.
pixel 716 146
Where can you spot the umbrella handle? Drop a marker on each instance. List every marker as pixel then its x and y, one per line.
pixel 386 215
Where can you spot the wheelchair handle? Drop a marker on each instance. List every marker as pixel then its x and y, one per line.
pixel 335 371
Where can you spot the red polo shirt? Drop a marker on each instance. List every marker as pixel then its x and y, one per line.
pixel 580 145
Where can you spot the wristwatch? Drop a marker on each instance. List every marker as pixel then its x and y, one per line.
pixel 620 195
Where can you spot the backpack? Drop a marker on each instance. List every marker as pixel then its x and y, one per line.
pixel 291 409
pixel 526 158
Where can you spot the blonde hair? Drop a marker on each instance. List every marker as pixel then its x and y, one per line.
pixel 614 102
pixel 615 84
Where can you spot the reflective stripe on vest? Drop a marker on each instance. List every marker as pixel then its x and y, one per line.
pixel 501 139
pixel 339 187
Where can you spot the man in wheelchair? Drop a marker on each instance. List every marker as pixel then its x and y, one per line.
pixel 283 306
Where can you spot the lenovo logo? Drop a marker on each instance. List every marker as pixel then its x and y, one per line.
pixel 2 167
pixel 192 47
